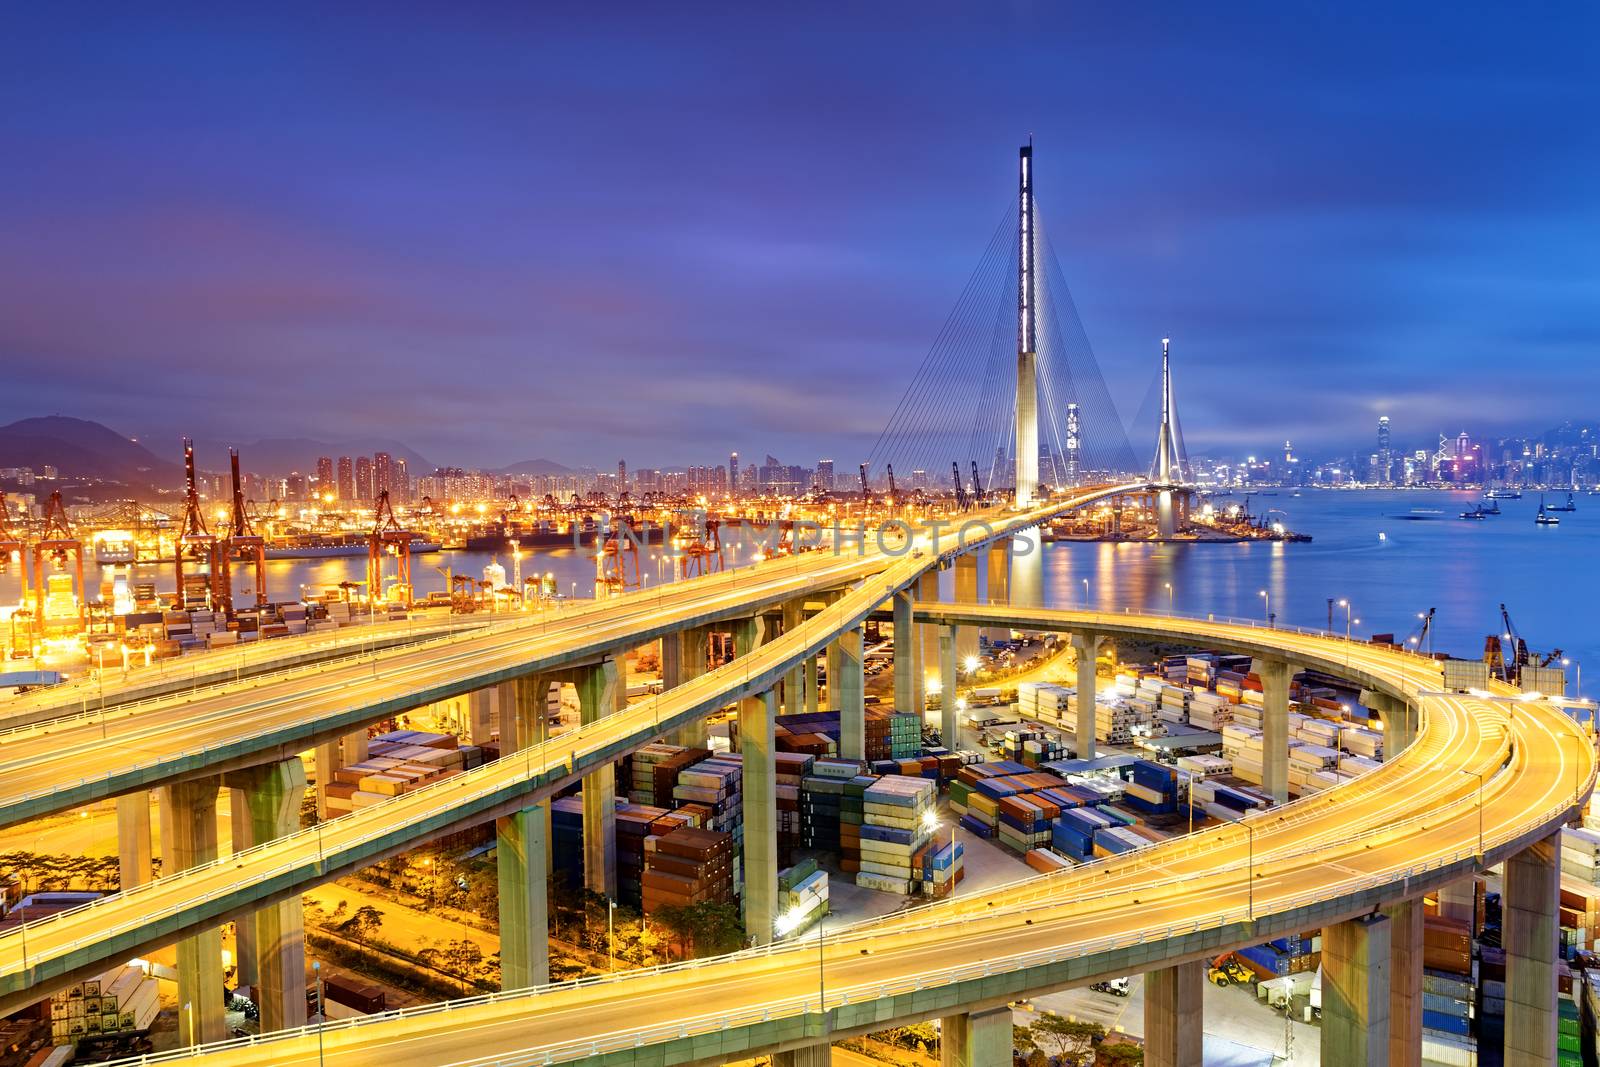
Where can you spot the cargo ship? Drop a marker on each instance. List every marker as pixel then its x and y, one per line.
pixel 313 546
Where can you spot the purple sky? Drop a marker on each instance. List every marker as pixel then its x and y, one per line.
pixel 507 231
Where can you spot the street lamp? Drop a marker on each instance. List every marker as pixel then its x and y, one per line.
pixel 1250 871
pixel 1169 598
pixel 1086 594
pixel 1577 683
pixel 1267 609
pixel 611 933
pixel 1345 604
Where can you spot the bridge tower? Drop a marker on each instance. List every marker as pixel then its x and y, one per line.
pixel 1166 470
pixel 1027 420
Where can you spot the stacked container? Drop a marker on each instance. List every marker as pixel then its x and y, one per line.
pixel 894 831
pixel 687 866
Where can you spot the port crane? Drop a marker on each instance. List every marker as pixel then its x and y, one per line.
pixel 388 537
pixel 240 541
pixel 1507 652
pixel 617 562
pixel 977 486
pixel 195 543
pixel 866 493
pixel 1418 638
pixel 961 493
pixel 892 495
pixel 13 548
pixel 58 542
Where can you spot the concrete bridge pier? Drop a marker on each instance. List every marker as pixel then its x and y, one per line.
pixel 1088 646
pixel 1531 898
pixel 748 635
pixel 847 690
pixel 271 943
pixel 907 668
pixel 927 592
pixel 997 589
pixel 1174 1015
pixel 188 839
pixel 599 695
pixel 949 724
pixel 810 1056
pixel 329 757
pixel 794 617
pixel 1355 992
pixel 976 1039
pixel 757 738
pixel 1275 675
pixel 1458 902
pixel 135 859
pixel 1405 983
pixel 480 714
pixel 522 845
pixel 966 592
pixel 683 659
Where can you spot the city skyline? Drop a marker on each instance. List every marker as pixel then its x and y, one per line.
pixel 415 243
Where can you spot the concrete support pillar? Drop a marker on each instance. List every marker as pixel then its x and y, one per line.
pixel 976 1039
pixel 1174 1016
pixel 966 592
pixel 1405 983
pixel 328 761
pixel 748 635
pixel 1532 929
pixel 927 592
pixel 266 806
pixel 997 579
pixel 847 685
pixel 599 695
pixel 1458 902
pixel 1027 569
pixel 794 614
pixel 812 685
pixel 1355 992
pixel 1275 675
pixel 135 861
pixel 907 668
pixel 522 847
pixel 353 748
pixel 480 715
pixel 683 659
pixel 757 723
pixel 1088 646
pixel 949 724
pixel 810 1056
pixel 188 839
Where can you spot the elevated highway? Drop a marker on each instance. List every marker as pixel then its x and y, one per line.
pixel 1486 781
pixel 43 768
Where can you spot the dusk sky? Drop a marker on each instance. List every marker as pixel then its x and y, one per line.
pixel 500 232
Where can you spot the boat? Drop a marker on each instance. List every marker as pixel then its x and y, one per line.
pixel 1475 513
pixel 312 547
pixel 1422 514
pixel 1504 493
pixel 1544 518
pixel 1492 509
pixel 1568 506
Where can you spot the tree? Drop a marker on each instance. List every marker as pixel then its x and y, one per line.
pixel 1120 1055
pixel 1066 1037
pixel 362 925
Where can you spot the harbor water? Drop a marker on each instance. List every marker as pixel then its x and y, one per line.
pixel 1392 555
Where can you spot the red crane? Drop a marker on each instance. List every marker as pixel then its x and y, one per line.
pixel 617 562
pixel 58 542
pixel 194 543
pixel 388 537
pixel 241 542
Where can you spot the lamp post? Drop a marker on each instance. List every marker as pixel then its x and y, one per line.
pixel 322 1013
pixel 1086 594
pixel 1250 871
pixel 1169 598
pixel 1266 598
pixel 611 933
pixel 1345 604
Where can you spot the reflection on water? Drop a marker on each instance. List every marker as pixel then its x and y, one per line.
pixel 1545 575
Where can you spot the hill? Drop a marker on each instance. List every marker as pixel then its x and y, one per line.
pixel 78 448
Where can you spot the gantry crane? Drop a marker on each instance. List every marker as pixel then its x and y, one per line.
pixel 617 561
pixel 194 543
pixel 961 492
pixel 60 545
pixel 240 541
pixel 390 538
pixel 700 548
pixel 13 547
pixel 1507 653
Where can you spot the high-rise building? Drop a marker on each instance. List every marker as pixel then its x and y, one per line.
pixel 1385 456
pixel 347 480
pixel 733 471
pixel 364 479
pixel 401 490
pixel 324 475
pixel 622 476
pixel 382 473
pixel 294 487
pixel 825 475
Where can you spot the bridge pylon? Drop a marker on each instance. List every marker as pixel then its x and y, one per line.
pixel 1167 469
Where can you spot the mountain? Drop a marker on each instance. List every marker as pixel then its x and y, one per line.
pixel 536 466
pixel 276 456
pixel 78 448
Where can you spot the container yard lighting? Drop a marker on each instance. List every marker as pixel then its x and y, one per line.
pixel 972 664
